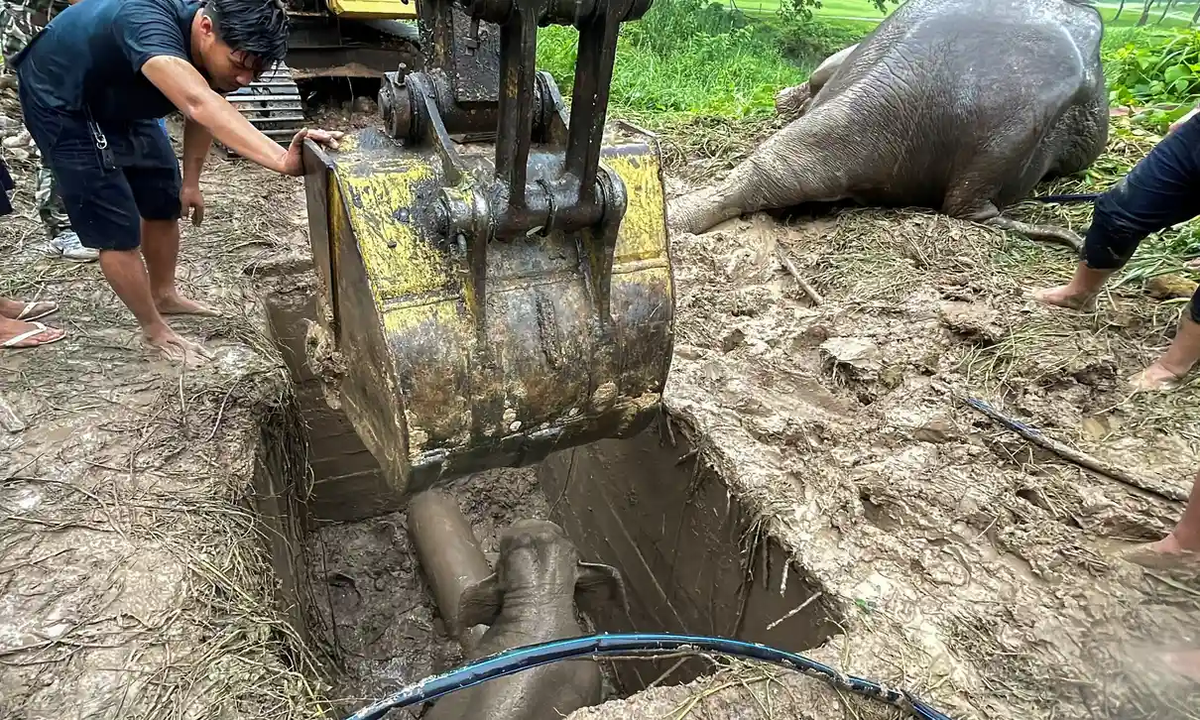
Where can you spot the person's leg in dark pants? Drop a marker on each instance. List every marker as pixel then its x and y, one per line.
pixel 103 210
pixel 1161 191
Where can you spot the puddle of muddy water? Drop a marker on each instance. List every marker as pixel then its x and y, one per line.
pixel 692 560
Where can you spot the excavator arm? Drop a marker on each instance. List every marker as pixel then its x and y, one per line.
pixel 496 281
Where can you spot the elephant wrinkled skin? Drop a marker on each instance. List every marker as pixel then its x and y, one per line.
pixel 959 106
pixel 531 599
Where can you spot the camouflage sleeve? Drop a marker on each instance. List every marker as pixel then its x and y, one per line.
pixel 49 8
pixel 17 26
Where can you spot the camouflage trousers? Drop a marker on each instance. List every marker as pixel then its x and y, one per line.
pixel 16 30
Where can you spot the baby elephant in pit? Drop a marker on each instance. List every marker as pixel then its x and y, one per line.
pixel 531 599
pixel 960 106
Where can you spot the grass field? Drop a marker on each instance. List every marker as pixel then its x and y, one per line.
pixel 864 10
pixel 690 58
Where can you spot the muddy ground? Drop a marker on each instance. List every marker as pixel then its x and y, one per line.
pixel 134 582
pixel 971 569
pixel 965 566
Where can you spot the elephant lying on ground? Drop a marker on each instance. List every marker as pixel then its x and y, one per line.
pixel 959 106
pixel 531 599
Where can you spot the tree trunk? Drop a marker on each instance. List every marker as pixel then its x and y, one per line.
pixel 1120 9
pixel 1145 13
pixel 1196 17
pixel 1166 9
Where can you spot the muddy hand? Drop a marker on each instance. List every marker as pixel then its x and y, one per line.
pixel 328 138
pixel 293 163
pixel 179 350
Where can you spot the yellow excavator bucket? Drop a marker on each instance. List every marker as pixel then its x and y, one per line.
pixel 374 9
pixel 497 276
pixel 432 397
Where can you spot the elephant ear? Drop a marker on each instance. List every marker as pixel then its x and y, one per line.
pixel 599 585
pixel 480 603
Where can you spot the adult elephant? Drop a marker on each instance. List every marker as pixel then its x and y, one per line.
pixel 960 106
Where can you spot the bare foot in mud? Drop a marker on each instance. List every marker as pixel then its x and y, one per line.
pixel 176 349
pixel 1165 554
pixel 1065 296
pixel 179 305
pixel 1155 378
pixel 1186 663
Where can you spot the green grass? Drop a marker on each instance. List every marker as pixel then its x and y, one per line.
pixel 843 9
pixel 830 9
pixel 705 77
pixel 685 58
pixel 698 58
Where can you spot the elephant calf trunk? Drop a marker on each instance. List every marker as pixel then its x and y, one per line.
pixel 449 555
pixel 699 211
pixel 747 189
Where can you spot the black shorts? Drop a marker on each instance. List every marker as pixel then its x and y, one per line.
pixel 106 191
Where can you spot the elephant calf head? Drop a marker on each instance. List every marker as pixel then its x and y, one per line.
pixel 531 598
pixel 539 571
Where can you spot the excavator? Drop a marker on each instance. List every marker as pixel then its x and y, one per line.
pixel 495 282
pixel 352 39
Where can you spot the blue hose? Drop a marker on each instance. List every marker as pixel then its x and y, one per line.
pixel 513 661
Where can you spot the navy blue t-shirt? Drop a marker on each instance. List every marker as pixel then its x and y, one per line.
pixel 92 53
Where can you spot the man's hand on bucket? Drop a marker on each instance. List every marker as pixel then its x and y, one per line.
pixel 293 163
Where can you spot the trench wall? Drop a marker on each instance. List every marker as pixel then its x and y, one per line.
pixel 346 482
pixel 281 489
pixel 693 560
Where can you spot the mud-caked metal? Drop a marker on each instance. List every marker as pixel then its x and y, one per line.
pixel 496 276
pixel 532 598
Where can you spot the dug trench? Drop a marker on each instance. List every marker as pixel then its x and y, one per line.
pixel 817 484
pixel 692 559
pixel 927 547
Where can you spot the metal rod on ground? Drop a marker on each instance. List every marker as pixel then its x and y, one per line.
pixel 1066 452
pixel 790 266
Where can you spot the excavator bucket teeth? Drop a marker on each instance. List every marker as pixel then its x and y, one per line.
pixel 441 382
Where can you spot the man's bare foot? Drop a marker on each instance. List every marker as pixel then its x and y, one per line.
pixel 1155 378
pixel 177 349
pixel 1164 554
pixel 1186 663
pixel 1065 296
pixel 179 305
pixel 21 334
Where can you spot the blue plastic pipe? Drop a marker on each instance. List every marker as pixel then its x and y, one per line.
pixel 513 661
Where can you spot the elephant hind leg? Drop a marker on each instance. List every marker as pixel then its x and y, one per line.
pixel 792 102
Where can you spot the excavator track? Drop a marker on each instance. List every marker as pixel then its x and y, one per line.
pixel 271 104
